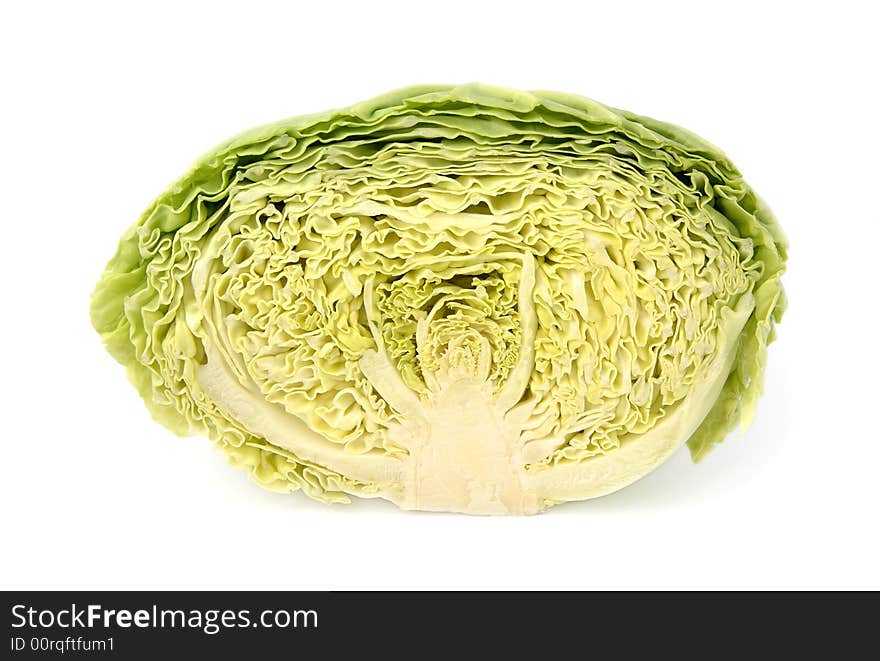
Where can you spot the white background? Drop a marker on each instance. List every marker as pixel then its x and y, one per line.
pixel 104 105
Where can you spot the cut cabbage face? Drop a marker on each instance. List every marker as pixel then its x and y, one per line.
pixel 463 299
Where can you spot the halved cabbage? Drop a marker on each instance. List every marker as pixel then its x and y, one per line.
pixel 457 298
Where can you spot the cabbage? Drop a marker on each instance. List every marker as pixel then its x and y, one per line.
pixel 466 299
